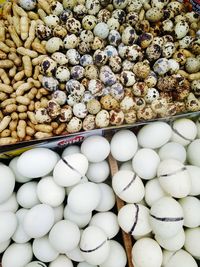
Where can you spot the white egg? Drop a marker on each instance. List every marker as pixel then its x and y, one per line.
pixel 172 150
pixel 94 245
pixel 123 145
pixel 117 256
pixel 153 191
pixel 18 176
pixel 84 198
pixel 38 220
pixel 49 192
pixel 107 200
pixel 191 211
pixel 183 131
pixel 146 253
pixel 75 255
pixel 36 264
pixel 193 153
pixel 174 178
pixel 4 245
pixel 134 219
pixel 174 243
pixel 71 150
pixel 80 219
pixel 98 172
pixel 17 255
pixel 166 217
pixel 36 162
pixel 192 242
pixel 10 204
pixel 128 186
pixel 19 235
pixel 83 180
pixel 154 135
pixel 85 264
pixel 58 213
pixel 107 221
pixel 145 163
pixel 43 250
pixel 180 258
pixel 126 166
pixel 7 183
pixel 96 148
pixel 194 173
pixel 69 170
pixel 61 261
pixel 63 231
pixel 27 195
pixel 8 225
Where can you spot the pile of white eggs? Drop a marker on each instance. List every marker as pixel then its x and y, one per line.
pixel 59 210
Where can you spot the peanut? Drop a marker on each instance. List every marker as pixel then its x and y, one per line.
pixel 23 116
pixel 8 102
pixel 19 76
pixel 27 52
pixel 5 133
pixel 15 36
pixel 23 100
pixel 10 108
pixel 8 141
pixel 4 77
pixel 4 47
pixel 41 135
pixel 12 71
pixel 13 125
pixel 6 88
pixel 27 66
pixel 21 129
pixel 4 123
pixel 6 64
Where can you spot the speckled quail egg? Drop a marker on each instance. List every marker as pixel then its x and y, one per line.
pixel 59 96
pixel 74 125
pixel 87 96
pixel 114 38
pixel 152 94
pixel 73 25
pixel 153 52
pixel 173 66
pixel 127 78
pixel 145 39
pixel 42 116
pixel 110 51
pixel 73 99
pixel 129 36
pixel 79 11
pixel 53 108
pixel 62 74
pixel 154 14
pixel 65 15
pixel 60 58
pixel 141 69
pixel 127 103
pixel 89 123
pixel 89 22
pixel 192 65
pixel 69 4
pixel 77 72
pixel 86 36
pixel 161 66
pixel 117 91
pixel 51 20
pixel 102 119
pixel 181 29
pixel 107 76
pixel 73 56
pixel 86 60
pixel 71 41
pixel 115 63
pixel 145 113
pixel 108 102
pixel 167 25
pixel 43 32
pixel 95 87
pixel 50 83
pixel 116 117
pixel 100 57
pixel 56 8
pixel 27 4
pixel 140 89
pixel 59 31
pixel 130 116
pixel 54 44
pixel 175 6
pixel 93 6
pixel 93 106
pixel 133 52
pixel 195 86
pixel 120 15
pixel 48 66
pixel 113 24
pixel 151 79
pixel 168 49
pixel 65 114
pixel 80 110
pixel 185 41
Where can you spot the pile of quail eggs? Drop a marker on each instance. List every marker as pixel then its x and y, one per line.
pixel 59 209
pixel 114 62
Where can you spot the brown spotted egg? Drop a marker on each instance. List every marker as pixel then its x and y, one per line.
pixel 151 95
pixel 65 114
pixel 74 125
pixel 89 123
pixel 102 119
pixel 48 66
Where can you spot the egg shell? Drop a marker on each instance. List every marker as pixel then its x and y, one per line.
pixel 117 256
pixel 58 213
pixel 63 231
pixel 43 250
pixel 18 176
pixel 94 245
pixel 8 225
pixel 17 255
pixel 96 148
pixel 174 178
pixel 154 135
pixel 145 163
pixel 194 173
pixel 134 219
pixel 36 264
pixel 19 235
pixel 85 264
pixel 180 258
pixel 36 162
pixel 75 254
pixel 71 150
pixel 174 243
pixel 172 150
pixel 192 244
pixel 7 183
pixel 45 220
pixel 10 204
pixel 107 221
pixel 81 220
pixel 98 172
pixel 61 260
pixel 79 203
pixel 153 192
pixel 123 145
pixel 126 166
pixel 4 245
pixel 128 186
pixel 49 192
pixel 69 170
pixel 184 131
pixel 107 200
pixel 191 210
pixel 193 153
pixel 27 195
pixel 166 217
pixel 151 250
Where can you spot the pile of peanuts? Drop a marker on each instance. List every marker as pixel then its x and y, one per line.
pixel 82 64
